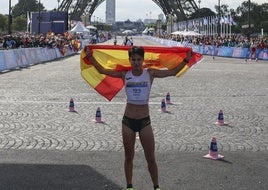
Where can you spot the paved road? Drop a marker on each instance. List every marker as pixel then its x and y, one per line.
pixel 43 146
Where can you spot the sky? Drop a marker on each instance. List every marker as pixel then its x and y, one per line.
pixel 132 9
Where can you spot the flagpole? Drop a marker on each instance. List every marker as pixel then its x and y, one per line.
pixel 211 25
pixel 230 25
pixel 230 30
pixel 223 27
pixel 226 26
pixel 208 27
pixel 222 30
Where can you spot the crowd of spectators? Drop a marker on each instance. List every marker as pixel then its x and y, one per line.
pixel 50 40
pixel 226 41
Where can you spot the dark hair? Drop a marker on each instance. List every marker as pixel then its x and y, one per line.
pixel 136 50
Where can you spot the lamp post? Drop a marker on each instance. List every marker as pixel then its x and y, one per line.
pixel 219 17
pixel 39 18
pixel 219 6
pixel 249 22
pixel 89 18
pixel 9 17
pixel 199 1
pixel 58 4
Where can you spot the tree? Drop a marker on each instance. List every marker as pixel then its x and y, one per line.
pixel 264 16
pixel 223 9
pixel 3 22
pixel 257 15
pixel 19 23
pixel 200 13
pixel 23 6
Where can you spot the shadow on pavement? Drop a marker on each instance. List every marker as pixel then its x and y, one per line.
pixel 52 177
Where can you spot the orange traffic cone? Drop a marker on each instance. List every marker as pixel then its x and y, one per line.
pixel 98 116
pixel 168 98
pixel 71 106
pixel 220 120
pixel 213 150
pixel 163 106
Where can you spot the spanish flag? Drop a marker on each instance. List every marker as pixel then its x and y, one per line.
pixel 116 57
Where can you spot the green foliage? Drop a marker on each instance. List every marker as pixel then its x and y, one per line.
pixel 107 27
pixel 19 23
pixel 3 22
pixel 19 12
pixel 203 12
pixel 21 8
pixel 223 10
pixel 258 15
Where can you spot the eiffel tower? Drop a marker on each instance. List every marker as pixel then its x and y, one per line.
pixel 177 9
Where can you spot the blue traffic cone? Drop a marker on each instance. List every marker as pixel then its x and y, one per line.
pixel 213 145
pixel 213 150
pixel 98 116
pixel 71 105
pixel 220 120
pixel 163 105
pixel 168 98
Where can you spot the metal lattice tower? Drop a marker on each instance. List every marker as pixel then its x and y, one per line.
pixel 178 9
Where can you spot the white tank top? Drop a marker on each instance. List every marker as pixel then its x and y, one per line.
pixel 138 87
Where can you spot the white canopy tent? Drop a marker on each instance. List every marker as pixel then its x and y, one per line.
pixel 186 33
pixel 127 32
pixel 145 31
pixel 90 27
pixel 148 30
pixel 191 33
pixel 79 28
pixel 177 33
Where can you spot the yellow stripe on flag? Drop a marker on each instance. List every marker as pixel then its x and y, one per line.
pixel 92 76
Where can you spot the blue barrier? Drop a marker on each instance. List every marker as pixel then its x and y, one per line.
pixel 3 65
pixel 235 52
pixel 11 61
pixel 264 54
pixel 23 57
pixel 240 52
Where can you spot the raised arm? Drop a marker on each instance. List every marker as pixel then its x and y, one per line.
pixel 156 73
pixel 99 67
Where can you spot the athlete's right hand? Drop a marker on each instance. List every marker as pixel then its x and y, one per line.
pixel 88 51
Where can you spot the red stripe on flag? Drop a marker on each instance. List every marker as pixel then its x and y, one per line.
pixel 109 87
